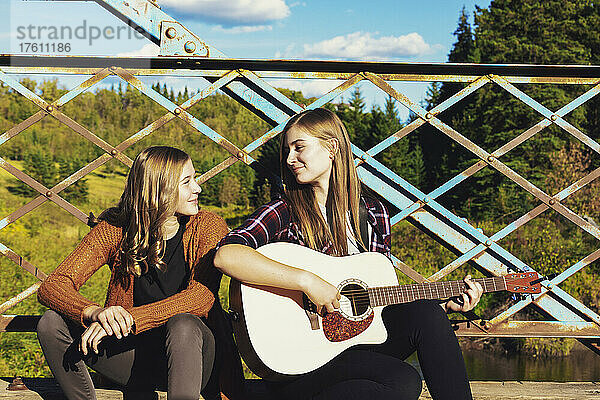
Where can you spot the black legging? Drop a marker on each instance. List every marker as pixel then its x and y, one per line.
pixel 177 356
pixel 379 372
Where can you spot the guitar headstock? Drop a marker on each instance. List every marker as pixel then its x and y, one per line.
pixel 523 282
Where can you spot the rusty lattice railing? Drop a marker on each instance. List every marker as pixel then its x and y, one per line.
pixel 244 81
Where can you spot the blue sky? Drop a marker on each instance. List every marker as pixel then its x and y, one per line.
pixel 385 30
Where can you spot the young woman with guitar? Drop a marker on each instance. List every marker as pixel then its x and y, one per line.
pixel 156 328
pixel 321 209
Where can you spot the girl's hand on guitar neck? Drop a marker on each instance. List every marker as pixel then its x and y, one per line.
pixel 320 292
pixel 468 299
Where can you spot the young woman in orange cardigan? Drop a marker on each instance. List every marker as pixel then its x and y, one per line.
pixel 155 328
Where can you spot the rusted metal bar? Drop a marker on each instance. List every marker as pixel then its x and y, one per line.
pixel 408 271
pixel 8 304
pixel 446 104
pixel 50 195
pixel 497 153
pixel 515 308
pixel 38 116
pixel 62 185
pixel 26 265
pixel 543 207
pixel 153 126
pixel 185 116
pixel 15 215
pixel 484 155
pixel 448 235
pixel 277 129
pixel 20 127
pixel 582 74
pixel 335 92
pixel 82 87
pixel 151 21
pixel 120 148
pixel 513 226
pixel 426 220
pixel 276 95
pixel 557 119
pixel 563 329
pixel 175 39
pixel 105 158
pixel 53 110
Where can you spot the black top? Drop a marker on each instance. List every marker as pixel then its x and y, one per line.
pixel 157 285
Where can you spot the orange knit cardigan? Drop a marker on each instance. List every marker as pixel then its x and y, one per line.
pixel 60 291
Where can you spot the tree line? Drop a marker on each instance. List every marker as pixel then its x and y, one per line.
pixel 51 151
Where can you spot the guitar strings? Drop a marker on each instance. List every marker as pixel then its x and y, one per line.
pixel 430 286
pixel 431 290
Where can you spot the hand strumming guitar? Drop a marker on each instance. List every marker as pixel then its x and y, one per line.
pixel 320 292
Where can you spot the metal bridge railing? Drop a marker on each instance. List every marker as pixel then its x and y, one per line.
pixel 246 82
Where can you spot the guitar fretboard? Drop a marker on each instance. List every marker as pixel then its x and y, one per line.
pixel 385 295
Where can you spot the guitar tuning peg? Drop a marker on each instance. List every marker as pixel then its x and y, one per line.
pixel 543 278
pixel 517 296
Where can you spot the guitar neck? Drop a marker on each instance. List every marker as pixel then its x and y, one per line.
pixel 386 295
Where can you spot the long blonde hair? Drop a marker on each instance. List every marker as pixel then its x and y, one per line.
pixel 149 198
pixel 344 186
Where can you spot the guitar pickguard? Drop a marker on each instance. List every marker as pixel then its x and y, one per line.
pixel 337 328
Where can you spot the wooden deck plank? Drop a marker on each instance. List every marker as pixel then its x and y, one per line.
pixel 48 389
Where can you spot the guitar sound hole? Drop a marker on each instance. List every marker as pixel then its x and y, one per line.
pixel 358 298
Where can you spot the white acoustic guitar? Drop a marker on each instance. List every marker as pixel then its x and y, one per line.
pixel 280 335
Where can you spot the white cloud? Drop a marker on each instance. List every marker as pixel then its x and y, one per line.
pixel 149 50
pixel 365 46
pixel 231 13
pixel 243 29
pixel 289 52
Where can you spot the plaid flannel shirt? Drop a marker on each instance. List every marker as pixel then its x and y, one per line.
pixel 273 223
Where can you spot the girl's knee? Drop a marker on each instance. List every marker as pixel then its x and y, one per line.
pixel 187 326
pixel 184 322
pixel 49 324
pixel 427 313
pixel 411 384
pixel 402 379
pixel 428 307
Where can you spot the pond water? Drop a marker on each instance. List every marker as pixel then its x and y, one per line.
pixel 489 366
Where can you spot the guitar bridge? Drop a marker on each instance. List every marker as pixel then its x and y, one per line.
pixel 311 313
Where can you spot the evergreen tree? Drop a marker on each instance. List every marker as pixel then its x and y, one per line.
pixel 440 152
pixel 357 122
pixel 68 166
pixel 405 156
pixel 464 48
pixel 514 31
pixel 38 164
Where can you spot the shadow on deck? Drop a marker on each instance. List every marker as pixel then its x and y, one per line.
pixel 48 389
